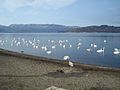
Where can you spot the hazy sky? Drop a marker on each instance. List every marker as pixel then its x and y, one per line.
pixel 66 12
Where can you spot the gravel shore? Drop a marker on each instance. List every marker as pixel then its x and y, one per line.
pixel 27 74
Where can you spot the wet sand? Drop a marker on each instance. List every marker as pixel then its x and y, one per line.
pixel 24 72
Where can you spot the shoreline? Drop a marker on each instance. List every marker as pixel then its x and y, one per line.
pixel 20 71
pixel 57 61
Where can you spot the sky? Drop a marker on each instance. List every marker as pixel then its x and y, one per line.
pixel 65 12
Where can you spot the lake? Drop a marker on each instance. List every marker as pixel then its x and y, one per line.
pixel 89 48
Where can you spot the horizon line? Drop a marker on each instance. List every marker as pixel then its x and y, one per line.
pixel 60 24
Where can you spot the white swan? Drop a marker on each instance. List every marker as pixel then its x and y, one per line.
pixel 78 47
pixel 93 45
pixel 70 45
pixel 66 40
pixel 53 47
pixel 101 50
pixel 52 41
pixel 49 52
pixel 105 41
pixel 70 63
pixel 36 47
pixel 64 46
pixel 79 44
pixel 66 57
pixel 116 51
pixel 89 49
pixel 44 48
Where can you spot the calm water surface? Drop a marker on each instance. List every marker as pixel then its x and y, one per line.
pixel 88 48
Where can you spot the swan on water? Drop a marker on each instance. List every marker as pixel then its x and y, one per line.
pixel 116 51
pixel 49 52
pixel 102 50
pixel 89 49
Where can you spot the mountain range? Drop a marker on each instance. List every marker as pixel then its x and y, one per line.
pixel 54 28
pixel 102 28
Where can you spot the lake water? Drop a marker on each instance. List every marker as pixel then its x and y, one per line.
pixel 88 48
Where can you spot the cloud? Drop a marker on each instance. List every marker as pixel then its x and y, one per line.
pixel 12 5
pixel 59 3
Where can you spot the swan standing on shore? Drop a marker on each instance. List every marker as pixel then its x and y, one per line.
pixel 67 58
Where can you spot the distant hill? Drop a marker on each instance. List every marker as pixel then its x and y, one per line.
pixel 35 28
pixel 54 28
pixel 6 29
pixel 40 28
pixel 102 28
